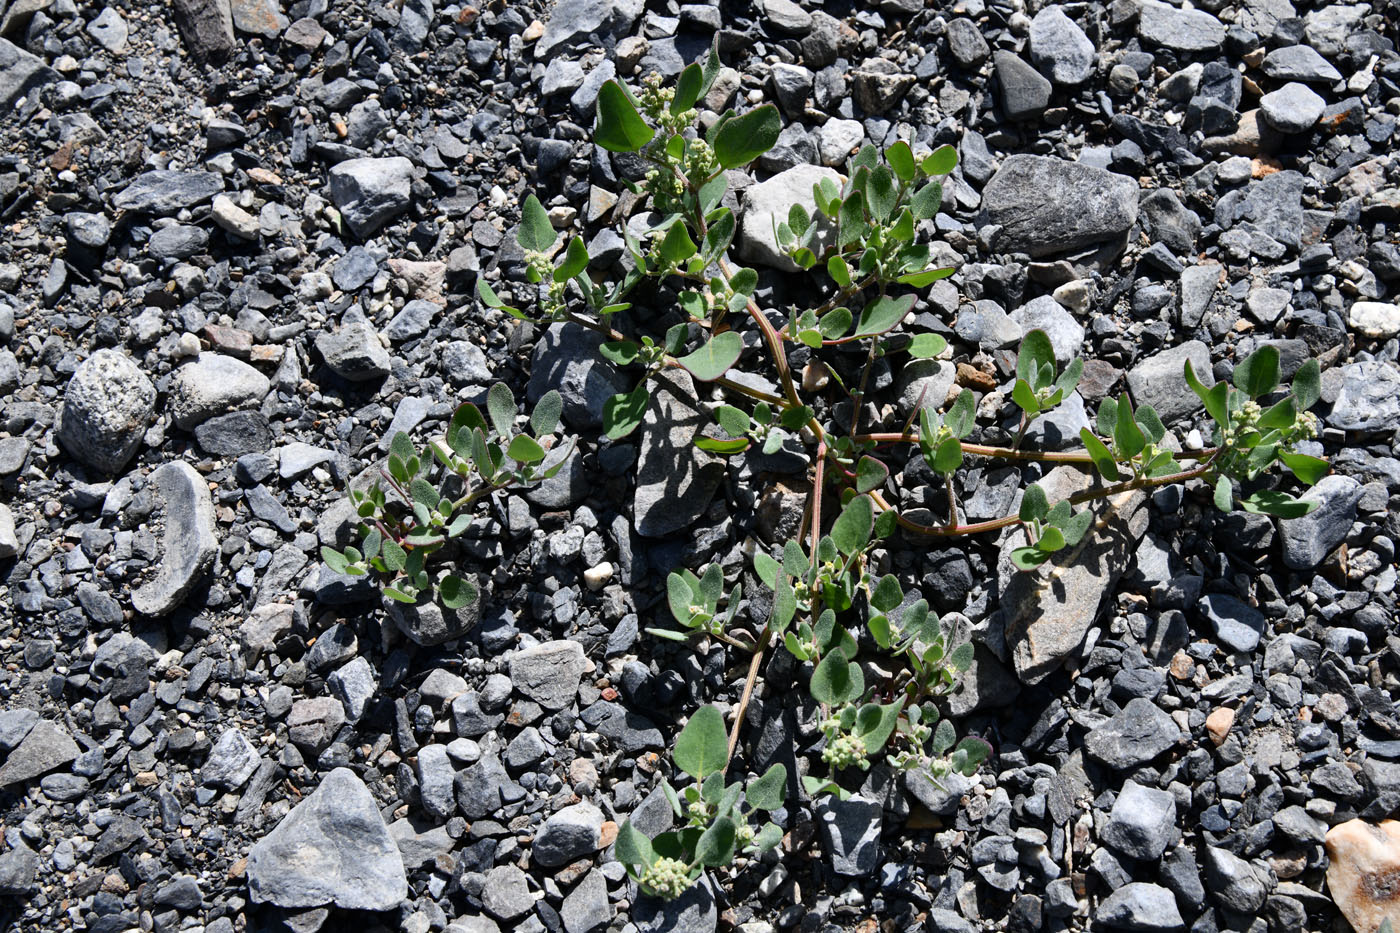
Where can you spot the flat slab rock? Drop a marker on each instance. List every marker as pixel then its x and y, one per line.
pixel 45 748
pixel 333 848
pixel 21 73
pixel 1046 205
pixel 549 673
pixel 188 545
pixel 675 479
pixel 1048 611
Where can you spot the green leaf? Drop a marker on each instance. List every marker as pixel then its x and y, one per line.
pixel 1213 398
pixel 1308 469
pixel 941 161
pixel 334 559
pixel 575 261
pixel 926 346
pixel 887 593
pixel 1151 423
pixel 768 792
pixel 875 724
pixel 677 246
pixel 784 603
pixel 714 358
pixel 394 556
pixel 926 201
pixel 851 530
pixel 680 595
pixel 1257 375
pixel 975 751
pixel 716 846
pixel 1036 352
pixel 901 159
pixel 944 737
pixel 1273 502
pixel 1051 540
pixel 870 474
pixel 961 658
pixel 740 140
pixel 835 323
pixel 702 748
pixel 618 127
pixel 880 194
pixel 719 235
pixel 688 89
pixel 766 569
pixel 711 586
pixel 1028 558
pixel 632 846
pixel 623 412
pixel 1224 494
pixel 836 680
pixel 456 592
pixel 962 416
pixel 525 449
pixel 545 418
pixel 1103 460
pixel 619 352
pixel 1307 384
pixel 744 280
pixel 927 277
pixel 948 457
pixel 1024 397
pixel 768 837
pixel 838 270
pixel 814 785
pixel 536 233
pixel 734 421
pixel 1034 504
pixel 500 405
pixel 1127 436
pixel 883 314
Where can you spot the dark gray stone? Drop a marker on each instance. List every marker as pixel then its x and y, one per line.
pixel 1059 48
pixel 1308 540
pixel 1140 906
pixel 1142 822
pixel 45 748
pixel 1134 736
pixel 1025 93
pixel 852 832
pixel 371 192
pixel 167 192
pixel 675 479
pixel 1045 205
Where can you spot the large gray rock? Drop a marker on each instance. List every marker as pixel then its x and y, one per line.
pixel 1045 313
pixel 586 907
pixel 354 352
pixel 1048 611
pixel 1133 736
pixel 852 832
pixel 165 191
pixel 188 545
pixel 566 359
pixel 21 73
pixel 212 385
pixel 572 20
pixel 1059 48
pixel 549 673
pixel 430 623
pixel 371 192
pixel 695 911
pixel 333 848
pixel 1369 399
pixel 570 834
pixel 1045 205
pixel 231 761
pixel 1182 30
pixel 1160 380
pixel 506 894
pixel 675 479
pixel 1293 108
pixel 1308 540
pixel 1142 822
pixel 107 407
pixel 1024 92
pixel 207 28
pixel 767 203
pixel 1300 63
pixel 44 748
pixel 1140 906
pixel 1237 884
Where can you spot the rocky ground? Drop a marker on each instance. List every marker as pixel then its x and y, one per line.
pixel 240 250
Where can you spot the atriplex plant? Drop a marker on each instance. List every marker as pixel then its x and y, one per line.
pixel 829 599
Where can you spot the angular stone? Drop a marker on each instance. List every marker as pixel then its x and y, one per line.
pixel 1237 884
pixel 1237 625
pixel 258 17
pixel 586 907
pixel 1133 736
pixel 1182 30
pixel 212 385
pixel 1142 822
pixel 371 192
pixel 1045 205
pixel 21 73
pixel 188 545
pixel 1369 399
pixel 207 28
pixel 333 848
pixel 354 352
pixel 1308 540
pixel 1140 906
pixel 852 832
pixel 768 202
pixel 430 623
pixel 110 31
pixel 1300 63
pixel 549 673
pixel 579 18
pixel 165 191
pixel 695 911
pixel 1293 108
pixel 1025 93
pixel 1059 48
pixel 1160 380
pixel 570 834
pixel 106 408
pixel 1048 611
pixel 675 479
pixel 45 747
pixel 1363 863
pixel 231 762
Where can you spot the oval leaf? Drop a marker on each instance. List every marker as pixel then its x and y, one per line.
pixel 619 128
pixel 714 358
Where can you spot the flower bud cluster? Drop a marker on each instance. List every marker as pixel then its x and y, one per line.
pixel 668 877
